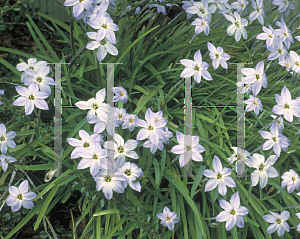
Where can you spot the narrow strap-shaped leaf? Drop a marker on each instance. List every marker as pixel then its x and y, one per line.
pixel 20 53
pixel 10 66
pixel 37 30
pixel 44 207
pixel 37 40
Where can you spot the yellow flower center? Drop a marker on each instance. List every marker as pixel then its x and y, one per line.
pixel 150 128
pixel 242 5
pixel 278 221
pixel 284 34
pixel 131 120
pixel 120 116
pixel 31 68
pixel 155 120
pixel 86 145
pixel 297 64
pixel 232 212
pixel 261 167
pixel 168 218
pixel 104 26
pixel 20 196
pixel 247 86
pixel 287 65
pixel 2 138
pixel 237 24
pixel 95 106
pixel 255 102
pixel 219 176
pixel 238 157
pixel 31 97
pixel 271 36
pixel 286 106
pixel 202 11
pixel 128 172
pixel 197 68
pixel 95 156
pixel 39 79
pixel 285 2
pixel 188 148
pixel 122 94
pixel 203 23
pixel 279 51
pixel 294 179
pixel 274 139
pixel 257 77
pixel 107 179
pixel 103 42
pixel 278 121
pixel 121 150
pixel 217 55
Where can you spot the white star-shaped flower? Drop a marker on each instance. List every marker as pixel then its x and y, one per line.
pixel 219 177
pixel 295 61
pixel 168 218
pixel 278 222
pixel 20 197
pixel 123 149
pixel 121 94
pixel 129 121
pixel 196 68
pixel 239 154
pixel 233 214
pixel 151 129
pixel 33 64
pixel 93 158
pixel 109 181
pixel 103 46
pixel 239 5
pixel 284 6
pixel 253 103
pixel 95 106
pixel 4 160
pixel 192 148
pixel 270 36
pixel 238 26
pixel 119 116
pixel 40 77
pixel 218 56
pixel 264 170
pixel 278 123
pixel 291 180
pixel 258 12
pixel 275 140
pixel 105 26
pixel 279 51
pixel 6 139
pixel 79 5
pixel 31 97
pixel 256 77
pixel 84 143
pixel 132 172
pixel 202 25
pixel 285 33
pixel 286 106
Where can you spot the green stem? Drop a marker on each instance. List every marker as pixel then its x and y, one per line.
pixel 71 35
pixel 267 198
